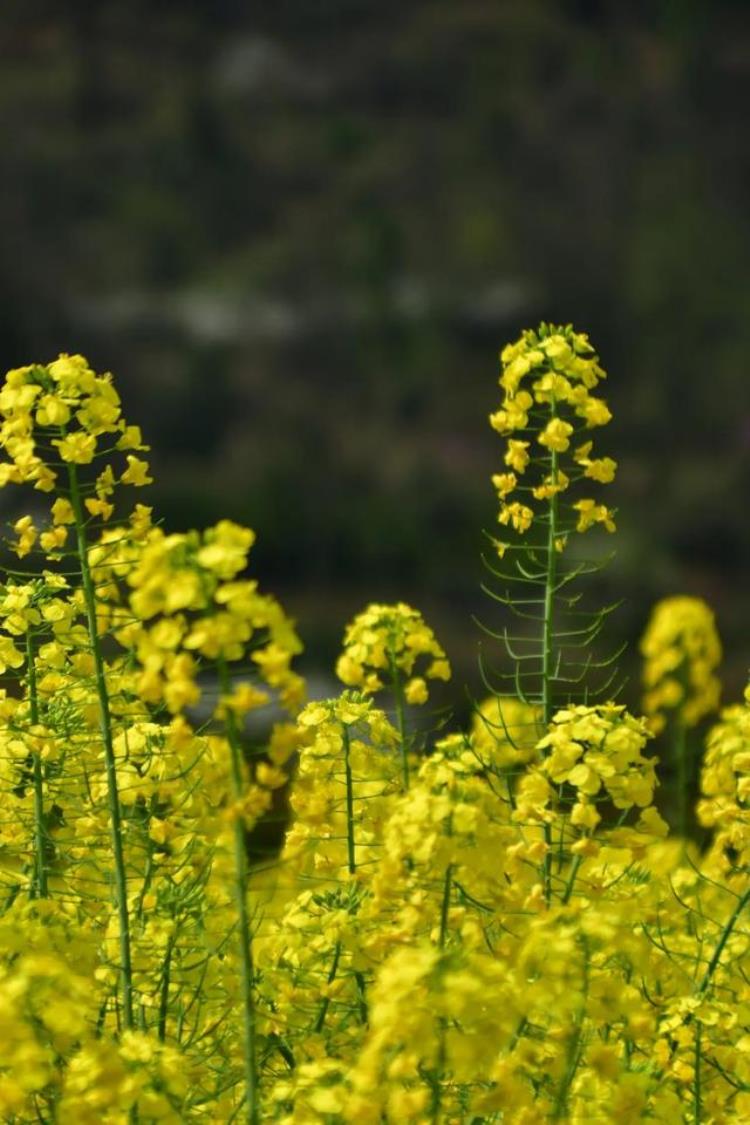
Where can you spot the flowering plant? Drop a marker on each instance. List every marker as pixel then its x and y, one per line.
pixel 489 925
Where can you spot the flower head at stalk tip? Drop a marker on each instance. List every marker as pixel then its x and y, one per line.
pixel 57 419
pixel 548 377
pixel 681 651
pixel 388 639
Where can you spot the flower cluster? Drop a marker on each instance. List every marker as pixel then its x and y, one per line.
pixel 681 651
pixel 493 925
pixel 384 644
pixel 548 378
pixel 123 866
pixel 599 750
pixel 190 607
pixel 63 414
pixel 725 786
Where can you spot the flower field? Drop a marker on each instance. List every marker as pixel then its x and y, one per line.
pixel 493 924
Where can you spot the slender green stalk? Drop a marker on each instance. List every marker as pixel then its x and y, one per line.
pixel 252 1095
pixel 723 939
pixel 164 990
pixel 574 1045
pixel 40 888
pixel 547 643
pixel 351 862
pixel 105 723
pixel 318 1026
pixel 549 600
pixel 445 906
pixel 571 879
pixel 437 1090
pixel 398 695
pixel 351 857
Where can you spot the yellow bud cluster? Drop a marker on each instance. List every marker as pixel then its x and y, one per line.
pixel 548 378
pixel 725 786
pixel 188 603
pixel 681 651
pixel 64 414
pixel 598 750
pixel 387 641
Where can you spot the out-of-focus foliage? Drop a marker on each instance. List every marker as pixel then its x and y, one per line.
pixel 316 220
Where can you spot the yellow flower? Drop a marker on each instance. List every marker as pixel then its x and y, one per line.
pixel 681 650
pixel 62 511
pixel 52 411
pixel 53 539
pixel 226 549
pixel 416 691
pixel 385 641
pixel 99 507
pixel 518 515
pixel 136 472
pixel 27 535
pixel 590 513
pixel 556 435
pixel 131 439
pixel 551 486
pixel 595 411
pixel 270 776
pixel 78 448
pixel 517 456
pixel 73 375
pixel 10 657
pixel 504 483
pixel 602 470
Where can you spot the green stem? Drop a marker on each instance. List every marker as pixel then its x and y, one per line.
pixel 547 646
pixel 351 864
pixel 41 889
pixel 318 1026
pixel 164 991
pixel 351 859
pixel 549 601
pixel 574 1053
pixel 105 723
pixel 725 934
pixel 445 906
pixel 571 879
pixel 437 1089
pixel 252 1107
pixel 398 695
pixel 523 1023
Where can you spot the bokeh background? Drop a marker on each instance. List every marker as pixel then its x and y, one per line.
pixel 299 232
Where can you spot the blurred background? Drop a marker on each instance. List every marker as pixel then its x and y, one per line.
pixel 299 232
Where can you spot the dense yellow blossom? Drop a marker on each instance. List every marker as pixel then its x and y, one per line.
pixel 485 926
pixel 388 642
pixel 681 651
pixel 547 379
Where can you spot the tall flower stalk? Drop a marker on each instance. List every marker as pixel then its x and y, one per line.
pixel 548 408
pixel 105 725
pixel 489 925
pixel 58 418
